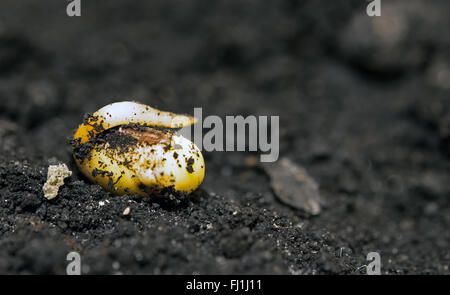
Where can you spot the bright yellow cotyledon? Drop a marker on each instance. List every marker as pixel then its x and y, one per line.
pixel 131 148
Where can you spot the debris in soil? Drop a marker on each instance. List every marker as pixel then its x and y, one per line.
pixel 293 186
pixel 55 178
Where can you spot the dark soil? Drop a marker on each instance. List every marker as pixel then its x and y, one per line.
pixel 363 105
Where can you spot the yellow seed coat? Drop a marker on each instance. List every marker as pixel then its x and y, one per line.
pixel 146 166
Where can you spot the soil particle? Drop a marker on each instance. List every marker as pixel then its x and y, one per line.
pixel 293 186
pixel 189 163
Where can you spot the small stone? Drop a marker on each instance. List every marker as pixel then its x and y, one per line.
pixel 126 211
pixel 293 186
pixel 55 179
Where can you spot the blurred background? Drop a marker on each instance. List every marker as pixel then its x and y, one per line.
pixel 363 105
